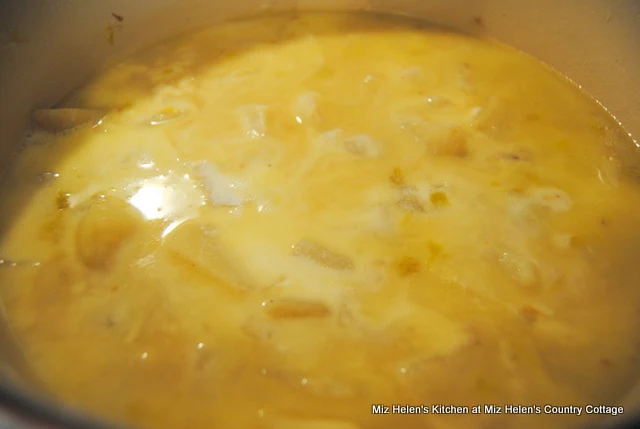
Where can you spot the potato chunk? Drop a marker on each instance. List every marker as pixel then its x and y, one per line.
pixel 106 225
pixel 196 247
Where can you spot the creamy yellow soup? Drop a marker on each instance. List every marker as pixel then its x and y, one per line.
pixel 294 222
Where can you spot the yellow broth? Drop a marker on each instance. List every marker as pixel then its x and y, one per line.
pixel 280 222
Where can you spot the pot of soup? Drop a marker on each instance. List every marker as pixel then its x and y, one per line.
pixel 356 214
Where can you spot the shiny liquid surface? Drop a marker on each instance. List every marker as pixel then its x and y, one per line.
pixel 280 222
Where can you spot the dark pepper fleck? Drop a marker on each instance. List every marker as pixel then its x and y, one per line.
pixel 607 363
pixel 479 21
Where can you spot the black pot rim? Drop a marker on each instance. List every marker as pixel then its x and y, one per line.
pixel 37 411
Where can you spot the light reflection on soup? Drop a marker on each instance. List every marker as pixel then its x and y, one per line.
pixel 279 222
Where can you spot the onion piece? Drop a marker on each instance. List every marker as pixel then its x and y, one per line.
pixel 253 120
pixel 305 107
pixel 295 308
pixel 221 189
pixel 63 119
pixel 523 270
pixel 322 256
pixel 362 145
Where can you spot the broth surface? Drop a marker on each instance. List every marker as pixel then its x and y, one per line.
pixel 283 221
